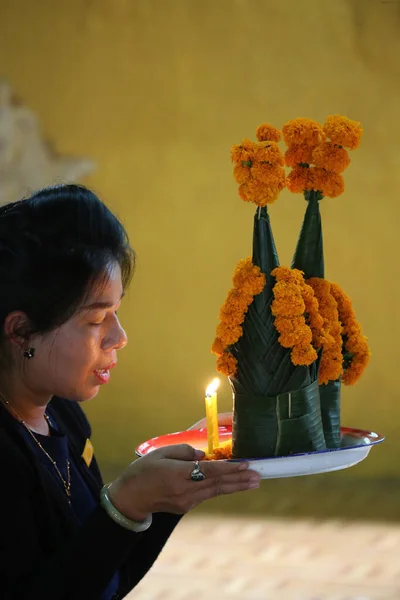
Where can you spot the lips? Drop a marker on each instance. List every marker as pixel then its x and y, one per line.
pixel 103 374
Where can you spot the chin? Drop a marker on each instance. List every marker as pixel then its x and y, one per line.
pixel 84 396
pixel 89 396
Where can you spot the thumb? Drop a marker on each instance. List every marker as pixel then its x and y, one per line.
pixel 181 452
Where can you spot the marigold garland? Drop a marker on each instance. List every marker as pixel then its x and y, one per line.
pixel 248 281
pixel 227 364
pixel 331 367
pixel 293 298
pixel 343 131
pixel 355 345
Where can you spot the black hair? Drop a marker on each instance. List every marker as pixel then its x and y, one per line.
pixel 54 246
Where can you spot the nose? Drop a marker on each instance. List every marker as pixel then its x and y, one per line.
pixel 116 338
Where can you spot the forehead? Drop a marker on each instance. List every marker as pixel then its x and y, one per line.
pixel 106 289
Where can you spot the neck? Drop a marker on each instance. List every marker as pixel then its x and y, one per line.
pixel 24 406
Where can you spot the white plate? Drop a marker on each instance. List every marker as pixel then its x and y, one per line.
pixel 355 447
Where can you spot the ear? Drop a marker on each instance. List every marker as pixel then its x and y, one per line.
pixel 16 328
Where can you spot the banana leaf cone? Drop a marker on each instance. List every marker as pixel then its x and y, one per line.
pixel 276 404
pixel 309 253
pixel 309 258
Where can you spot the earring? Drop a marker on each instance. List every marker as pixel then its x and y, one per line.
pixel 30 353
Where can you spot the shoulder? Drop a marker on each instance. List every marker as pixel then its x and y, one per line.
pixel 13 457
pixel 72 415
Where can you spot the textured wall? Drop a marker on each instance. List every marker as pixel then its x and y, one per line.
pixel 156 92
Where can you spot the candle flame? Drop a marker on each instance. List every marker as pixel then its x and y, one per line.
pixel 212 388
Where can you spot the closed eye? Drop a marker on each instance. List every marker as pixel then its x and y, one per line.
pixel 98 323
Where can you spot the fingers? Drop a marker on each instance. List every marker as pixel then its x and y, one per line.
pixel 180 452
pixel 218 468
pixel 228 484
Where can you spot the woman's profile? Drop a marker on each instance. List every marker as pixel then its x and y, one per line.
pixel 65 264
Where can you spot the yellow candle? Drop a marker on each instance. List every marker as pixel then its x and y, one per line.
pixel 212 416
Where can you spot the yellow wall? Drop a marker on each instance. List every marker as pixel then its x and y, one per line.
pixel 156 91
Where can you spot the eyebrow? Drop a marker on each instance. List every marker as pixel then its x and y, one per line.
pixel 100 305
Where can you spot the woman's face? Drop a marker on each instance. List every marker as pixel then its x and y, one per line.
pixel 75 360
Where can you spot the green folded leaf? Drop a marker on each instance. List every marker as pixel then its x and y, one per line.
pixel 285 424
pixel 309 253
pixel 330 412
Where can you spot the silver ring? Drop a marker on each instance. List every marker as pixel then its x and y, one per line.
pixel 197 474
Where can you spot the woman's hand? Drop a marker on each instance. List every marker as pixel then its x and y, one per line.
pixel 224 419
pixel 160 482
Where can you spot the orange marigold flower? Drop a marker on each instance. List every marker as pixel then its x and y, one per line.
pixel 235 307
pixel 268 133
pixel 217 347
pixel 244 152
pixel 285 325
pixel 248 278
pixel 258 192
pixel 303 131
pixel 356 350
pixel 298 154
pixel 269 152
pixel 223 452
pixel 227 364
pixel 329 183
pixel 293 331
pixel 288 274
pixel 331 157
pixel 287 304
pixel 303 354
pixel 343 131
pixel 298 180
pixel 269 173
pixel 244 192
pixel 241 173
pixel 272 175
pixel 228 335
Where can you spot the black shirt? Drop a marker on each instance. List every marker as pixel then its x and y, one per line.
pixel 83 501
pixel 47 550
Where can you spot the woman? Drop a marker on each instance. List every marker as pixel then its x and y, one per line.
pixel 65 263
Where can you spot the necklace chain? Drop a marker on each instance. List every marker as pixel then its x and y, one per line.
pixel 66 484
